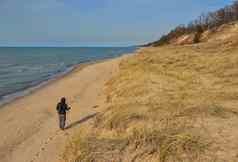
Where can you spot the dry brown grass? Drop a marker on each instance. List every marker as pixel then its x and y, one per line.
pixel 172 103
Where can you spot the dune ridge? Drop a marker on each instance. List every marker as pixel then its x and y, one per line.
pixel 168 103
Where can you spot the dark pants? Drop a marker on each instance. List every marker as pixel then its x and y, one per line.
pixel 62 119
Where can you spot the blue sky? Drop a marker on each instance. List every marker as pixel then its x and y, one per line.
pixel 94 22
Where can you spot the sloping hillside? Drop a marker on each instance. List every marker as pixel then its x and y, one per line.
pixel 202 28
pixel 169 103
pixel 225 32
pixel 222 33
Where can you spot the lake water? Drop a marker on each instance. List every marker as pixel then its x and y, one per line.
pixel 24 67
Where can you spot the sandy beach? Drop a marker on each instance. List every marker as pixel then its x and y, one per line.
pixel 29 125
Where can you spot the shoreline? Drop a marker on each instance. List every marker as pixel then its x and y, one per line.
pixel 11 98
pixel 8 99
pixel 41 82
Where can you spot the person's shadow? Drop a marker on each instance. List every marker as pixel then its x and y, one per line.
pixel 81 121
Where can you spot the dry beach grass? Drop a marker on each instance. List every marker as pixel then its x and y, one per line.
pixel 171 103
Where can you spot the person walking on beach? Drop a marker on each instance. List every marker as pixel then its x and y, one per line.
pixel 62 108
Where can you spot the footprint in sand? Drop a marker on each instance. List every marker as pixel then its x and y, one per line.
pixel 37 154
pixel 45 143
pixel 96 106
pixel 66 134
pixel 35 157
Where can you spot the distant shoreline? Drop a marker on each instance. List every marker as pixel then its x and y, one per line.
pixel 9 98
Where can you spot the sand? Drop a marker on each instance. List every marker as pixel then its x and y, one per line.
pixel 29 125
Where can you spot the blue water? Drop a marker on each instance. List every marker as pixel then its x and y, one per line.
pixel 24 67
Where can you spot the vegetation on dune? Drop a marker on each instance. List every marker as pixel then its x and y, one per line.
pixel 161 106
pixel 210 21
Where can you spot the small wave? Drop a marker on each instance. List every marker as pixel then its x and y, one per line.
pixel 4 73
pixel 37 65
pixel 5 65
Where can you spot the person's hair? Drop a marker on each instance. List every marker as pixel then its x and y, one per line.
pixel 63 100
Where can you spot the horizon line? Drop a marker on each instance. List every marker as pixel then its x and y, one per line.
pixel 82 46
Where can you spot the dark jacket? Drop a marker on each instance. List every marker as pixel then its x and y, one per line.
pixel 62 108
